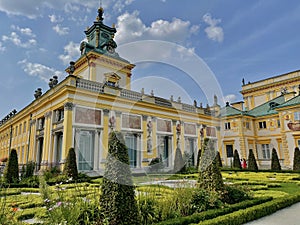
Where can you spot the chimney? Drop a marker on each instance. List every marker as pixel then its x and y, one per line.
pixel 238 105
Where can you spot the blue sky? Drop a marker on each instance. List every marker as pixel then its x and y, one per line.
pixel 236 39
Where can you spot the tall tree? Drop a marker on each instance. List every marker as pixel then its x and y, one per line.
pixel 236 160
pixel 252 165
pixel 117 201
pixel 210 177
pixel 296 164
pixel 178 161
pixel 70 168
pixel 275 164
pixel 219 160
pixel 11 173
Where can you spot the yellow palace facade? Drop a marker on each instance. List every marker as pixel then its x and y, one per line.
pixel 96 98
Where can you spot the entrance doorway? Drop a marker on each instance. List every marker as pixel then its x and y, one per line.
pixel 164 149
pixel 85 144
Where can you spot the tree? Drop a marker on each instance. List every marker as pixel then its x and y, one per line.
pixel 252 165
pixel 198 158
pixel 275 164
pixel 210 177
pixel 219 160
pixel 236 160
pixel 70 168
pixel 11 174
pixel 117 201
pixel 296 164
pixel 178 161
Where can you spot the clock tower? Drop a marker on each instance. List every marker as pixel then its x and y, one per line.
pixel 99 59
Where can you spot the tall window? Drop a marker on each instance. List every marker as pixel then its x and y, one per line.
pixel 265 151
pixel 262 125
pixel 247 125
pixel 227 126
pixel 297 116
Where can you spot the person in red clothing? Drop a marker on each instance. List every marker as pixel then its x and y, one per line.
pixel 244 164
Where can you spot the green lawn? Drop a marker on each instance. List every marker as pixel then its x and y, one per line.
pixel 23 203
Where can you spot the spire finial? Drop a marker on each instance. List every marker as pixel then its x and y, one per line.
pixel 100 12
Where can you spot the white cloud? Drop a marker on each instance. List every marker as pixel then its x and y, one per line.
pixel 213 31
pixel 71 8
pixel 61 30
pixel 119 5
pixel 33 9
pixel 71 51
pixel 2 48
pixel 25 31
pixel 230 98
pixel 55 19
pixel 131 28
pixel 16 40
pixel 38 70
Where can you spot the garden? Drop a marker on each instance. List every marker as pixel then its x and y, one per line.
pixel 211 196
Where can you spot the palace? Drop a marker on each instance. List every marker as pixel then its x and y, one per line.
pixel 96 98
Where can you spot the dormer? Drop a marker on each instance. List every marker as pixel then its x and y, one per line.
pixel 112 79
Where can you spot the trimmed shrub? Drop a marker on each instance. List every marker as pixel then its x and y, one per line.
pixel 275 164
pixel 198 158
pixel 234 194
pixel 178 161
pixel 210 177
pixel 236 160
pixel 70 168
pixel 219 160
pixel 210 214
pixel 117 201
pixel 11 173
pixel 253 213
pixel 252 165
pixel 296 164
pixel 203 200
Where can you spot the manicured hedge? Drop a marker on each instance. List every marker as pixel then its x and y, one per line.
pixel 253 213
pixel 207 215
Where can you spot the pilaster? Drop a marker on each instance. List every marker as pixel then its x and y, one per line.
pixel 105 133
pixel 68 129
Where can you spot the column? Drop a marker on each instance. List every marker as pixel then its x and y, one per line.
pixel 105 134
pixel 154 138
pixel 68 129
pixel 31 141
pixel 47 137
pixel 54 156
